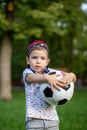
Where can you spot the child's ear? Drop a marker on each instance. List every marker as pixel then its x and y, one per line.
pixel 48 61
pixel 27 60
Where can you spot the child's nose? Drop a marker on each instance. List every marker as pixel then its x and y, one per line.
pixel 38 60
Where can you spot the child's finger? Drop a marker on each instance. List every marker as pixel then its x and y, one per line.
pixel 52 88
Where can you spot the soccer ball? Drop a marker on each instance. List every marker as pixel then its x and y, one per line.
pixel 56 97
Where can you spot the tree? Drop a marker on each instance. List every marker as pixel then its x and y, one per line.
pixel 57 22
pixel 6 67
pixel 6 53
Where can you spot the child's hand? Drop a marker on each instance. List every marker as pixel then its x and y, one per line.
pixel 54 81
pixel 59 83
pixel 68 78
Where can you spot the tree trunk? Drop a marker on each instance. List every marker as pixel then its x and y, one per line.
pixel 0 69
pixel 6 51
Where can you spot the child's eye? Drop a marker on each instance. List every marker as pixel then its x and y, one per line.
pixel 34 57
pixel 43 58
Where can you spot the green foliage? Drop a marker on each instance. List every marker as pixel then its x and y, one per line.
pixel 3 22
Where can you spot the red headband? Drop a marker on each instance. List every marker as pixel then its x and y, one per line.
pixel 37 43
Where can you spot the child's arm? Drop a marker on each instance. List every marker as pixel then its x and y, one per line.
pixel 73 76
pixel 51 79
pixel 36 78
pixel 44 78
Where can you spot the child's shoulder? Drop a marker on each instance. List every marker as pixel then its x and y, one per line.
pixel 27 70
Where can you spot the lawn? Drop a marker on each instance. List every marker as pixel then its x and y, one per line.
pixel 73 115
pixel 12 113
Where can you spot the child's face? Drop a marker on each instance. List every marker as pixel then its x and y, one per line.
pixel 38 60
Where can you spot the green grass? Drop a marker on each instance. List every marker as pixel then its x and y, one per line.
pixel 12 113
pixel 73 115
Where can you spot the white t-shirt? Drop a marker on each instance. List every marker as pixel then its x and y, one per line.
pixel 36 107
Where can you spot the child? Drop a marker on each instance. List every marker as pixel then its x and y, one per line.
pixel 39 114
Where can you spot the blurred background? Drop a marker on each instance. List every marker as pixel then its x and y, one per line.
pixel 62 24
